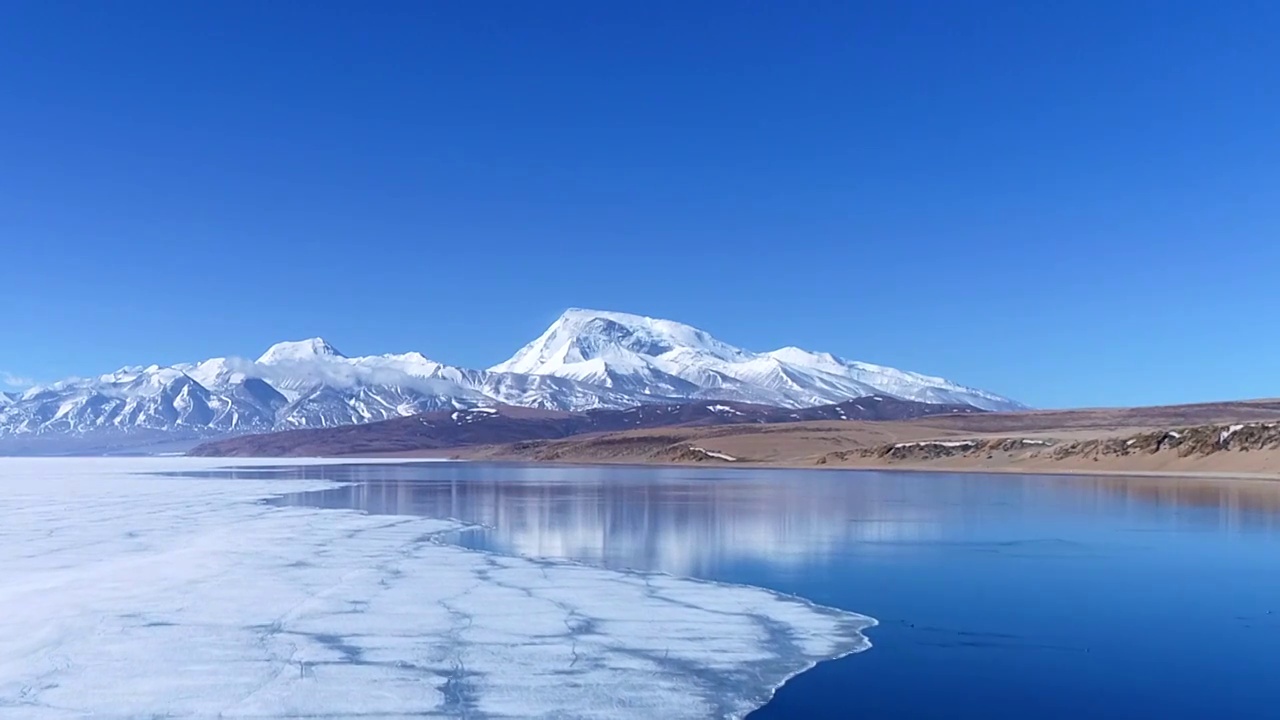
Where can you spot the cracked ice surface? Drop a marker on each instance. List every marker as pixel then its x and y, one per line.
pixel 126 594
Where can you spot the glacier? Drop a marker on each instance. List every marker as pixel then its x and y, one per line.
pixel 152 587
pixel 586 360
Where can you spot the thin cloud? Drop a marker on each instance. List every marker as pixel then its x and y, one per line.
pixel 8 379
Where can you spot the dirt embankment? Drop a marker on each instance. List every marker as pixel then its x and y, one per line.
pixel 1217 448
pixel 1222 448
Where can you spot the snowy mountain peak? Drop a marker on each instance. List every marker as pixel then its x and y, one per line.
pixel 299 351
pixel 798 356
pixel 580 336
pixel 411 363
pixel 651 356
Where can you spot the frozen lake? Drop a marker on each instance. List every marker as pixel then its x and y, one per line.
pixel 154 588
pixel 187 588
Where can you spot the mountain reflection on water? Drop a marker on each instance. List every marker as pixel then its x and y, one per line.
pixel 663 520
pixel 687 521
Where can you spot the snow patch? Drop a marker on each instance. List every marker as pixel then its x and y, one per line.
pixel 472 415
pixel 717 455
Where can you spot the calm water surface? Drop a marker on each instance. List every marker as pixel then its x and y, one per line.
pixel 998 596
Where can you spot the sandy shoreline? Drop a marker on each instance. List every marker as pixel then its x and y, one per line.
pixel 1169 474
pixel 1240 451
pixel 1075 472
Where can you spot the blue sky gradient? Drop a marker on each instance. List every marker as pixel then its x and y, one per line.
pixel 1067 203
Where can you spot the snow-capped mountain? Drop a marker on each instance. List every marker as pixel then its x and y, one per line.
pixel 648 356
pixel 585 360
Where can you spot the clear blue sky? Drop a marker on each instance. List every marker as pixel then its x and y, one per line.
pixel 1072 203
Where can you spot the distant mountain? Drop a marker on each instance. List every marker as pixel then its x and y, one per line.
pixel 586 360
pixel 499 425
pixel 641 355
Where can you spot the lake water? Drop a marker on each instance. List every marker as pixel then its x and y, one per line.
pixel 999 596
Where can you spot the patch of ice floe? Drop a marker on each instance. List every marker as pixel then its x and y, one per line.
pixel 128 594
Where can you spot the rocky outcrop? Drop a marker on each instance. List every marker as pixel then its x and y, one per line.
pixel 1197 441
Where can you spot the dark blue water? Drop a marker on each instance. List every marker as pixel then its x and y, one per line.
pixel 999 596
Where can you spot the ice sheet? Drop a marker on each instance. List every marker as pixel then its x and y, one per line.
pixel 129 594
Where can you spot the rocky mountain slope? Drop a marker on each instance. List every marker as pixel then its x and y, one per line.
pixel 585 360
pixel 497 425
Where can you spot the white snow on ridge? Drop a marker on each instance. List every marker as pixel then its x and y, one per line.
pixel 296 384
pixel 213 604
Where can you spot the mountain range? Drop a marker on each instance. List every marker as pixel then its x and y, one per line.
pixel 586 360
